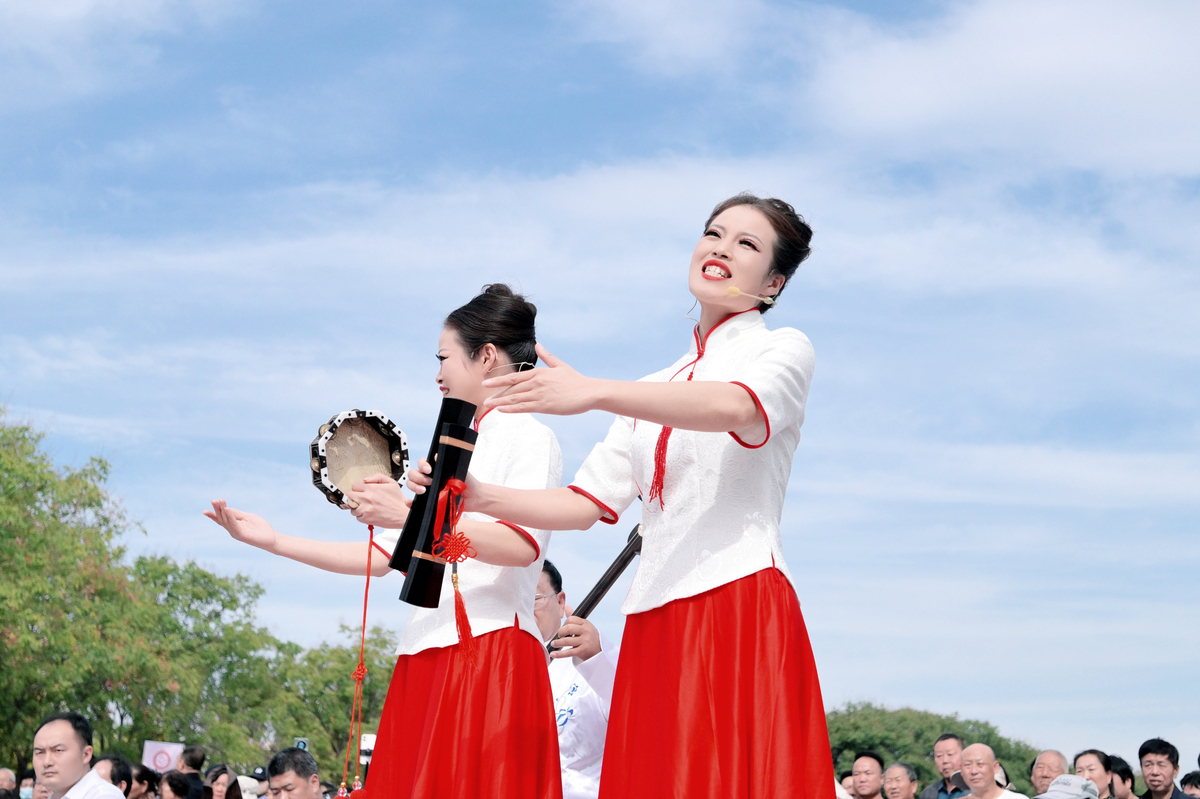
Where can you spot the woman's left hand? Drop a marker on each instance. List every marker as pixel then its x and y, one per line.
pixel 381 502
pixel 556 389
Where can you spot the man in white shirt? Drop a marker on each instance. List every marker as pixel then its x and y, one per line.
pixel 62 759
pixel 979 773
pixel 581 678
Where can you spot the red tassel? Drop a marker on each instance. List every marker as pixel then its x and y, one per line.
pixel 466 641
pixel 660 467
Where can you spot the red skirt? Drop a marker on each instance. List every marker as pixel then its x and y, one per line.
pixel 452 732
pixel 717 695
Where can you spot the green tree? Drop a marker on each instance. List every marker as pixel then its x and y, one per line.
pixel 908 735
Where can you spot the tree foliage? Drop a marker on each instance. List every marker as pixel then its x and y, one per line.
pixel 151 649
pixel 908 735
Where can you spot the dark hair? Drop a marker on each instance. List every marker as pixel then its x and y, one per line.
pixel 792 234
pixel 193 757
pixel 1190 780
pixel 232 789
pixel 5 793
pixel 1105 760
pixel 143 773
pixel 82 727
pixel 951 736
pixel 555 578
pixel 292 759
pixel 1120 768
pixel 845 774
pixel 497 316
pixel 1157 746
pixel 878 758
pixel 909 770
pixel 121 769
pixel 178 782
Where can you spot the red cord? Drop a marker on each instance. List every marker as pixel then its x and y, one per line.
pixel 359 673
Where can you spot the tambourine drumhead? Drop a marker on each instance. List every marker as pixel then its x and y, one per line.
pixel 352 446
pixel 356 451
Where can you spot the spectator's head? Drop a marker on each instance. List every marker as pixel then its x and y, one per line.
pixel 174 785
pixel 224 782
pixel 979 770
pixel 1049 764
pixel 1069 786
pixel 1160 766
pixel 550 603
pixel 1122 781
pixel 1094 765
pixel 145 782
pixel 62 751
pixel 248 785
pixel 292 774
pixel 191 760
pixel 28 777
pixel 260 776
pixel 847 781
pixel 114 768
pixel 8 780
pixel 900 781
pixel 868 774
pixel 1190 783
pixel 947 754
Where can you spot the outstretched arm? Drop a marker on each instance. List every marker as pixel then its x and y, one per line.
pixel 340 558
pixel 540 508
pixel 558 389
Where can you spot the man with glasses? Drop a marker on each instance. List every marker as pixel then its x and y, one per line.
pixel 581 678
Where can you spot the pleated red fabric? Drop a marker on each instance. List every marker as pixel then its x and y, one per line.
pixel 716 695
pixel 452 732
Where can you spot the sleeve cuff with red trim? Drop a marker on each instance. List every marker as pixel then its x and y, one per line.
pixel 522 531
pixel 762 411
pixel 609 516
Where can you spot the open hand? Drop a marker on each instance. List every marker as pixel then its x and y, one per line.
pixel 246 527
pixel 381 502
pixel 555 388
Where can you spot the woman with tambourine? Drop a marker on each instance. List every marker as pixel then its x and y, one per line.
pixel 450 728
pixel 716 690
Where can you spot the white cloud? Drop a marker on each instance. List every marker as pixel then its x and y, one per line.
pixel 62 51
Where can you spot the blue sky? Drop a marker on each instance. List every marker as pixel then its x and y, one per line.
pixel 223 222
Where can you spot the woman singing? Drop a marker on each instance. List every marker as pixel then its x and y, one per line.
pixel 449 729
pixel 716 691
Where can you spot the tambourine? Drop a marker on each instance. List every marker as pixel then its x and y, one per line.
pixel 354 445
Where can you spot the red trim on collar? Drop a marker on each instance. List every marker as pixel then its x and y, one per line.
pixel 701 344
pixel 607 510
pixel 523 532
pixel 761 410
pixel 475 424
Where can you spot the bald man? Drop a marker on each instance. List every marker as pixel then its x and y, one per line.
pixel 1049 765
pixel 979 773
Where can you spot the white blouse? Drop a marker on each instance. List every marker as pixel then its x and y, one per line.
pixel 722 493
pixel 582 697
pixel 513 450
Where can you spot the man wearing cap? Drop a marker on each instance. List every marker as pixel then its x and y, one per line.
pixel 1069 786
pixel 260 774
pixel 1049 765
pixel 947 757
pixel 979 773
pixel 1160 767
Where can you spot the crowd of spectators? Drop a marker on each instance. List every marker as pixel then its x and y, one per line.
pixel 65 767
pixel 973 772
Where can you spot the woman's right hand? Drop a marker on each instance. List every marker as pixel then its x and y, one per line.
pixel 246 527
pixel 420 476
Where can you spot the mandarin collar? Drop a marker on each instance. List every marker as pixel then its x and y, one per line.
pixel 725 330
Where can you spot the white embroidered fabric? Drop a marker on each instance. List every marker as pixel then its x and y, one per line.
pixel 514 450
pixel 722 499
